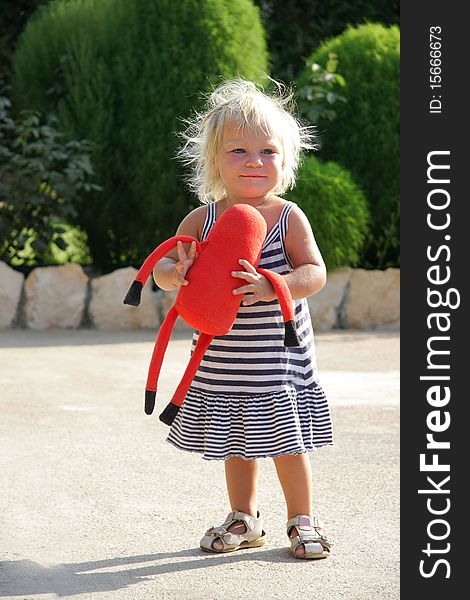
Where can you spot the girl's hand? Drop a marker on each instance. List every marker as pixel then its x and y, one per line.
pixel 258 288
pixel 185 262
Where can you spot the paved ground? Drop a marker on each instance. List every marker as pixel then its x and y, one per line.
pixel 95 504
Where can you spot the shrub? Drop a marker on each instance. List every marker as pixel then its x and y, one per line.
pixel 320 94
pixel 336 208
pixel 123 74
pixel 297 26
pixel 13 17
pixel 364 137
pixel 40 177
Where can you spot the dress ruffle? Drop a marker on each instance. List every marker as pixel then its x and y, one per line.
pixel 219 426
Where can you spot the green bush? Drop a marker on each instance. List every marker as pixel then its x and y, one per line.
pixel 336 208
pixel 13 18
pixel 318 98
pixel 297 26
pixel 364 137
pixel 123 74
pixel 40 177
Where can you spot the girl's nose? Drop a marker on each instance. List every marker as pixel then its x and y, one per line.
pixel 254 161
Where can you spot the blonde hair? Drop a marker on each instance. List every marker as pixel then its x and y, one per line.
pixel 244 104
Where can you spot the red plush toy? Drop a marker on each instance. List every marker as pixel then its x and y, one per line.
pixel 207 302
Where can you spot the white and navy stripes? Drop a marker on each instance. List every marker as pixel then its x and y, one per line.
pixel 251 396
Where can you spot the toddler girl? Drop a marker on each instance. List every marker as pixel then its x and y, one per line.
pixel 252 397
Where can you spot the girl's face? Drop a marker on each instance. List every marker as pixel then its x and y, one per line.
pixel 250 162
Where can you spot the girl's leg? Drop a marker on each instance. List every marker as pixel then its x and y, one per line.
pixel 242 486
pixel 295 476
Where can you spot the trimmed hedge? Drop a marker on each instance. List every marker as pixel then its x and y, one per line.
pixel 336 208
pixel 364 137
pixel 297 26
pixel 123 74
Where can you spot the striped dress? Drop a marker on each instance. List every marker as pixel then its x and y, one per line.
pixel 252 397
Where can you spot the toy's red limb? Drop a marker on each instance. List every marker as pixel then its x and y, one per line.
pixel 161 344
pixel 159 349
pixel 134 293
pixel 287 306
pixel 173 407
pixel 283 293
pixel 159 253
pixel 198 353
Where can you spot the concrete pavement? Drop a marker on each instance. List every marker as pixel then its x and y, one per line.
pixel 95 504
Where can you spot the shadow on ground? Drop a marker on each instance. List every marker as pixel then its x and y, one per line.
pixel 29 338
pixel 25 577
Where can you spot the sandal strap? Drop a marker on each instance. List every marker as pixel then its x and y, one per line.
pixel 304 521
pixel 232 517
pixel 229 538
pixel 310 546
pixel 309 529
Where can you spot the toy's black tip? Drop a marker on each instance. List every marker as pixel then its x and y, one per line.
pixel 150 396
pixel 134 294
pixel 290 336
pixel 169 414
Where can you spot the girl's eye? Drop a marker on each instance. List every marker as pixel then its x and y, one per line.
pixel 264 151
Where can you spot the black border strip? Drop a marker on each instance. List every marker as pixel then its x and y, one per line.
pixel 431 567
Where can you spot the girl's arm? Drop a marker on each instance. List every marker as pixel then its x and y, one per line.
pixel 309 271
pixel 309 274
pixel 169 271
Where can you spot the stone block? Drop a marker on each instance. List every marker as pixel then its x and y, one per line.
pixel 374 299
pixel 107 309
pixel 11 284
pixel 325 305
pixel 55 297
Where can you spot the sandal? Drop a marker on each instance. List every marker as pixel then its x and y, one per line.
pixel 253 537
pixel 310 535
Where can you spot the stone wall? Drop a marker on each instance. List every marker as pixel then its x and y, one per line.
pixel 65 297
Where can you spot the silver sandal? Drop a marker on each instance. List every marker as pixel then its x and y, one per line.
pixel 310 535
pixel 253 537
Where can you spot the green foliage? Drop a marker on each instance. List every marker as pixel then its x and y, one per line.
pixel 76 250
pixel 13 16
pixel 40 177
pixel 364 137
pixel 297 26
pixel 384 248
pixel 336 208
pixel 319 94
pixel 123 74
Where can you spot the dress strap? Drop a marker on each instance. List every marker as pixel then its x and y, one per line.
pixel 276 230
pixel 284 226
pixel 209 220
pixel 284 218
